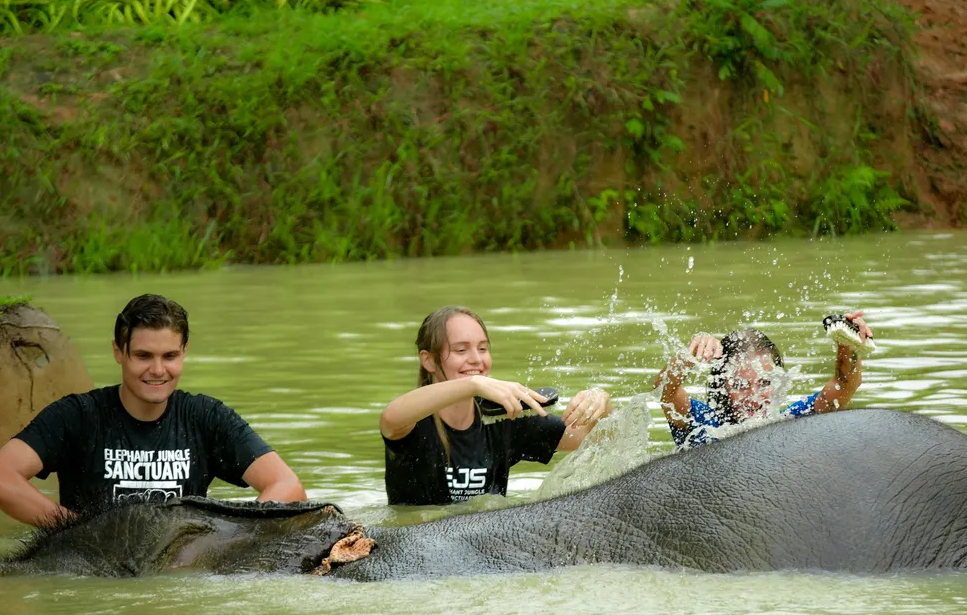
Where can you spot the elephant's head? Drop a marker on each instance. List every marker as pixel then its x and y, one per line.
pixel 223 537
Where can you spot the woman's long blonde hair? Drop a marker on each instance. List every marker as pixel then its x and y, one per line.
pixel 432 337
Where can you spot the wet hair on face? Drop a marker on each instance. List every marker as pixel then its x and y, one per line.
pixel 149 312
pixel 432 337
pixel 736 346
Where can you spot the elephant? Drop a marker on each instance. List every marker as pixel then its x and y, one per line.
pixel 220 536
pixel 38 365
pixel 860 491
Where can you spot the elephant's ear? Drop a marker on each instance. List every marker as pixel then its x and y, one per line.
pixel 351 548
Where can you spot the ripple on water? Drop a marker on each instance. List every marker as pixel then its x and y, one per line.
pixel 193 358
pixel 915 362
pixel 341 410
pixel 929 288
pixel 582 589
pixel 953 419
pixel 946 399
pixel 926 342
pixel 273 423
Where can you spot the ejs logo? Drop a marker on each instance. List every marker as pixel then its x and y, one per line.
pixel 467 478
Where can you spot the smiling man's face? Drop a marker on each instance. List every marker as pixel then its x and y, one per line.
pixel 152 365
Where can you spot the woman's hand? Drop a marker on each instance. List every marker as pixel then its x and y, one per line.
pixel 587 408
pixel 509 395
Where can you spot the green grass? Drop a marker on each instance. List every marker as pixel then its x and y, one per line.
pixel 307 133
pixel 8 302
pixel 25 16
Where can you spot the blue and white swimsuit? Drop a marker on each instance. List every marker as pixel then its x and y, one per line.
pixel 703 418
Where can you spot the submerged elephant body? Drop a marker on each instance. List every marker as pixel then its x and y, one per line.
pixel 863 491
pixel 200 533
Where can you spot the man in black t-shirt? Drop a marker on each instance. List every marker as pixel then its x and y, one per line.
pixel 142 440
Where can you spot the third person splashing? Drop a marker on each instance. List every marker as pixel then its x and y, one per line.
pixel 741 383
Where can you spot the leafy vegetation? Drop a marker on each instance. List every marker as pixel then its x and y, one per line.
pixel 8 302
pixel 20 16
pixel 153 135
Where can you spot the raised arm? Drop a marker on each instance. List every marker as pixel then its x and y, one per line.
pixel 404 412
pixel 18 498
pixel 839 391
pixel 674 399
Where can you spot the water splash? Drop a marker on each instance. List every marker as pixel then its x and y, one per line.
pixel 614 296
pixel 617 444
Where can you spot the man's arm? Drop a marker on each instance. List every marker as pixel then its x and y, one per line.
pixel 839 391
pixel 18 498
pixel 274 480
pixel 674 399
pixel 243 458
pixel 675 402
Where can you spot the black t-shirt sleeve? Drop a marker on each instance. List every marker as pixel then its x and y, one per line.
pixel 234 445
pixel 49 433
pixel 416 467
pixel 535 438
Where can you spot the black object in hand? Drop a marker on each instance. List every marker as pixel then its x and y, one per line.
pixel 492 408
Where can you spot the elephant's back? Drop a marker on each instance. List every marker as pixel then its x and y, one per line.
pixel 864 491
pixel 859 491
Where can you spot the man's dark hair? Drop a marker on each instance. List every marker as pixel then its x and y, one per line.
pixel 150 312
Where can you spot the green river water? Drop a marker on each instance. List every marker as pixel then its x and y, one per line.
pixel 309 355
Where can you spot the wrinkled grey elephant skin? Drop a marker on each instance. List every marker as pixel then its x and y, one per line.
pixel 214 535
pixel 864 491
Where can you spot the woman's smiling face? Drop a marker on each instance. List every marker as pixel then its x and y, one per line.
pixel 467 352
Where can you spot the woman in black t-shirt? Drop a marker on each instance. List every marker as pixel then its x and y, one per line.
pixel 438 450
